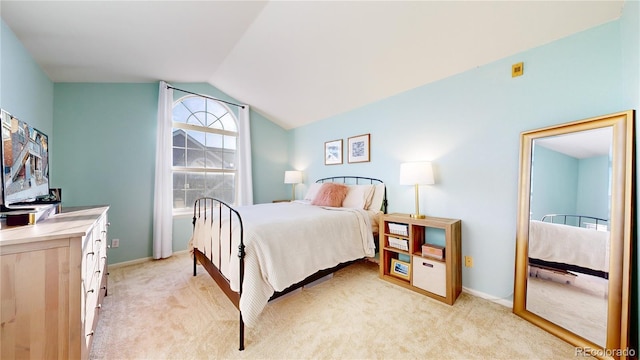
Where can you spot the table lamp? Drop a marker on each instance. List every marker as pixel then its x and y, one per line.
pixel 293 177
pixel 416 174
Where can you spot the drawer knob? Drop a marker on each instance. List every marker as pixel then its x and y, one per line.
pixel 90 291
pixel 90 253
pixel 427 264
pixel 90 334
pixel 99 306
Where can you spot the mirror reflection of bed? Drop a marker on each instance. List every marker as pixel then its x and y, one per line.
pixel 572 272
pixel 569 254
pixel 568 273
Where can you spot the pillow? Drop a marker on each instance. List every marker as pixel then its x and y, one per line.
pixel 378 197
pixel 331 194
pixel 359 196
pixel 313 190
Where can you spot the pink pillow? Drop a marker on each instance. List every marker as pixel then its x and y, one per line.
pixel 331 194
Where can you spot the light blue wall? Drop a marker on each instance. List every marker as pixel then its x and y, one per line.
pixel 106 144
pixel 561 184
pixel 469 126
pixel 554 180
pixel 106 148
pixel 25 90
pixel 593 187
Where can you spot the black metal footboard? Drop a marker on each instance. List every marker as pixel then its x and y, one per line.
pixel 210 209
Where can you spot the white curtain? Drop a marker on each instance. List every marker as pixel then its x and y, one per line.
pixel 245 183
pixel 163 195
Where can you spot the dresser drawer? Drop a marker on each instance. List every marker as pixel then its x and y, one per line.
pixel 430 275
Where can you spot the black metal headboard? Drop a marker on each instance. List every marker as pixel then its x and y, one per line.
pixel 356 180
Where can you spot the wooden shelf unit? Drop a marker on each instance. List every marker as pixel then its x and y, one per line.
pixel 438 279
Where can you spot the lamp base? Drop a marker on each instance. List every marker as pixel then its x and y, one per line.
pixel 418 216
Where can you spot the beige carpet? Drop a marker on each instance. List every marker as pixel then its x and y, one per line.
pixel 158 310
pixel 579 305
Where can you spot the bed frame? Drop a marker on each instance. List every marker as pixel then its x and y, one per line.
pixel 208 206
pixel 574 220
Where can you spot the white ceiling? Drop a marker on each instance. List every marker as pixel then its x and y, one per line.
pixel 293 61
pixel 582 144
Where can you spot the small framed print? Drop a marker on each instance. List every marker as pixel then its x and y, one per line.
pixel 333 152
pixel 400 269
pixel 359 148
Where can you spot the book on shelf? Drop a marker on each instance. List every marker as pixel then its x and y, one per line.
pixel 399 229
pixel 398 243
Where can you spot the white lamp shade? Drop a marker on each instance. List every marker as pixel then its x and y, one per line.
pixel 292 177
pixel 416 173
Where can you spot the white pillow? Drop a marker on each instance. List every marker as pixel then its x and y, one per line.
pixel 359 196
pixel 313 191
pixel 378 197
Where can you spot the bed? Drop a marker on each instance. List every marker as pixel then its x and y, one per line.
pixel 570 243
pixel 259 252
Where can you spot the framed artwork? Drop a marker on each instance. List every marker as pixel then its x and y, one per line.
pixel 400 269
pixel 333 152
pixel 359 148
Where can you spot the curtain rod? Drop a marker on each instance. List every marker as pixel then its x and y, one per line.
pixel 204 96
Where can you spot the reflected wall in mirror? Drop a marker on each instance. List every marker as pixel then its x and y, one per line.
pixel 573 248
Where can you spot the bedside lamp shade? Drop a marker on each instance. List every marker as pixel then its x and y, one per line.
pixel 416 174
pixel 293 177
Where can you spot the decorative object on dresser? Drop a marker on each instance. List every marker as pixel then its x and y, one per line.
pixel 416 174
pixel 293 177
pixel 53 282
pixel 262 235
pixel 440 279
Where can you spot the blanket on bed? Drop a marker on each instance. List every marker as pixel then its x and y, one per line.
pixel 567 244
pixel 284 244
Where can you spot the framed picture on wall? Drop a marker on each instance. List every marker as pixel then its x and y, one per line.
pixel 359 148
pixel 333 152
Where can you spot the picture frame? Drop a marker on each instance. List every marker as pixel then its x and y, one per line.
pixel 400 269
pixel 333 152
pixel 359 148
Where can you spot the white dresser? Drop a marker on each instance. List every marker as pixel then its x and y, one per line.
pixel 53 279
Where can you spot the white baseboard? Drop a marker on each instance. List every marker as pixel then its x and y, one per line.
pixel 502 301
pixel 141 260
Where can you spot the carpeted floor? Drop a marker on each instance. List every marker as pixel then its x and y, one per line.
pixel 158 310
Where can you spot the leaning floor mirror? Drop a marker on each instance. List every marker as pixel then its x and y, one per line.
pixel 574 230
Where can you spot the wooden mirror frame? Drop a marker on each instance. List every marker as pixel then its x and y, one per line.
pixel 621 227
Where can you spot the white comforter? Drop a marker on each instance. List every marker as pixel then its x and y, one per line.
pixel 284 244
pixel 566 244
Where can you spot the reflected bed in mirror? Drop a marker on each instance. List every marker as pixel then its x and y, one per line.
pixel 573 245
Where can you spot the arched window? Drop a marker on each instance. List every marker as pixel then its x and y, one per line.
pixel 205 137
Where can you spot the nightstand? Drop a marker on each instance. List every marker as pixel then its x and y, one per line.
pixel 403 262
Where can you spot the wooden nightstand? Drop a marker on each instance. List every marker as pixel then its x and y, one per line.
pixel 402 261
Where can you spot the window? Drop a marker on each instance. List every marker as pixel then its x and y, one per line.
pixel 205 135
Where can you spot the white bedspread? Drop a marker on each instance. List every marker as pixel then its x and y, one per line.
pixel 569 245
pixel 284 244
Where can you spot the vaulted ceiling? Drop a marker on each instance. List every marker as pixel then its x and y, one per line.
pixel 295 62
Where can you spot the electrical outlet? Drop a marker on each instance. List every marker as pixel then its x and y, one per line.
pixel 468 261
pixel 115 243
